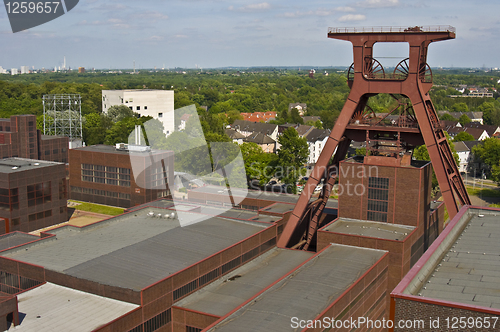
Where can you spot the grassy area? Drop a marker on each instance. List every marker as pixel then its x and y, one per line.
pixel 485 192
pixel 97 208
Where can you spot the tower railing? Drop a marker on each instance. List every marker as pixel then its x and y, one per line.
pixel 383 29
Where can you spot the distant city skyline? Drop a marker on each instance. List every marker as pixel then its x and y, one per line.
pixel 110 34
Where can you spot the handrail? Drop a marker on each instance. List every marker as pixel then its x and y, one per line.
pixel 384 29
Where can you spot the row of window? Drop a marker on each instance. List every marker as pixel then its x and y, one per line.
pixel 99 192
pixel 116 176
pixel 9 199
pixel 40 215
pixel 212 275
pixel 154 323
pixel 378 196
pixel 55 151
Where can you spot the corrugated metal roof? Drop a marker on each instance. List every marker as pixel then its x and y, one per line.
pixel 15 239
pixel 470 271
pixel 381 230
pixel 51 307
pixel 305 293
pixel 134 250
pixel 227 293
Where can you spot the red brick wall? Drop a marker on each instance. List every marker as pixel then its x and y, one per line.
pixel 406 309
pixel 368 297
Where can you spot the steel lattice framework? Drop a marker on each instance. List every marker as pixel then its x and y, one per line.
pixel 62 115
pixel 415 122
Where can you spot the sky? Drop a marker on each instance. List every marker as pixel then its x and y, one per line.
pixel 111 34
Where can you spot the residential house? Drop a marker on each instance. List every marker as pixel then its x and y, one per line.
pixel 311 118
pixel 234 135
pixel 246 128
pixel 473 116
pixel 266 143
pixel 301 107
pixel 259 116
pixel 316 140
pixel 478 133
pixel 463 152
pixel 184 119
pixel 490 129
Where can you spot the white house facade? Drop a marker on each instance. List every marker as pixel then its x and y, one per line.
pixel 159 104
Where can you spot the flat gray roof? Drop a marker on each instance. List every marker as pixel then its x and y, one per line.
pixel 227 293
pixel 279 208
pixel 13 239
pixel 264 195
pixel 51 307
pixel 469 272
pixel 306 292
pixel 112 149
pixel 13 165
pixel 213 210
pixel 381 230
pixel 134 250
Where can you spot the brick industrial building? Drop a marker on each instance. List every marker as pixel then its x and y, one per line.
pixel 104 174
pixel 225 272
pixel 454 285
pixel 20 138
pixel 33 194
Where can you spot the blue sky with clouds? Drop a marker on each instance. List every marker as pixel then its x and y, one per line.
pixel 218 33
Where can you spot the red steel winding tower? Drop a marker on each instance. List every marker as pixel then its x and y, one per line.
pixel 414 122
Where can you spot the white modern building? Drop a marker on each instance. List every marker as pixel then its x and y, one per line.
pixel 158 104
pixel 14 71
pixel 25 70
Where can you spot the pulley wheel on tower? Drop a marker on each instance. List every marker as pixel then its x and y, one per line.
pixel 373 69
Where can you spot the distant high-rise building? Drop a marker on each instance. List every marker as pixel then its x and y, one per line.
pixel 2 70
pixel 14 71
pixel 81 70
pixel 25 70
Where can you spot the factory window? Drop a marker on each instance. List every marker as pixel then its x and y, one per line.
pixel 378 196
pixel 138 108
pixel 40 215
pixel 39 193
pixel 184 290
pixel 9 199
pixel 192 329
pixel 106 174
pixel 62 189
pixel 15 221
pixel 157 321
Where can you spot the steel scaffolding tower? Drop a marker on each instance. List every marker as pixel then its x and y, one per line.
pixel 62 115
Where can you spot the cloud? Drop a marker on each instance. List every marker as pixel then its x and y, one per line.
pixel 255 7
pixel 352 17
pixel 111 22
pixel 154 16
pixel 378 3
pixel 345 9
pixel 318 12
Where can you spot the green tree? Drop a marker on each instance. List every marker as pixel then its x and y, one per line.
pixel 464 119
pixel 460 107
pixel 119 112
pixel 258 164
pixel 421 153
pixel 447 117
pixel 488 151
pixel 291 157
pixel 463 137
